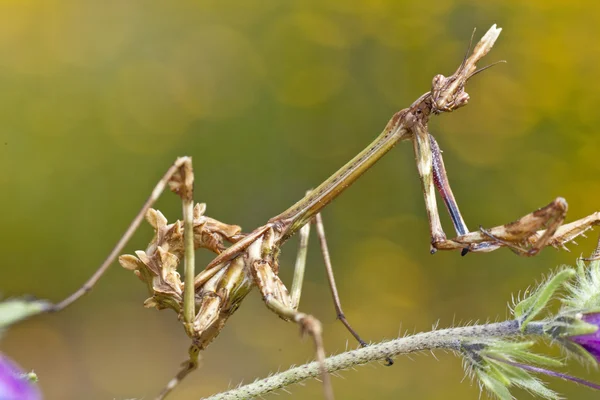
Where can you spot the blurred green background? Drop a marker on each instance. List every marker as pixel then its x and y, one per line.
pixel 97 99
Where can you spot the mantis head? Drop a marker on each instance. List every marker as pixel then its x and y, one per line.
pixel 448 93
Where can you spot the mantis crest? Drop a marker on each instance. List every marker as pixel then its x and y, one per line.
pixel 204 301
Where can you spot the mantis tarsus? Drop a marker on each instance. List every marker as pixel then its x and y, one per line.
pixel 205 301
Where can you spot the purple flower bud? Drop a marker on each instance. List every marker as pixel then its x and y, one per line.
pixel 591 341
pixel 14 385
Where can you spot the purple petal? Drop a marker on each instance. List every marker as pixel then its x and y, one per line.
pixel 593 318
pixel 13 384
pixel 591 341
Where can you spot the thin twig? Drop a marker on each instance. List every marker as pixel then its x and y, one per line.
pixel 450 339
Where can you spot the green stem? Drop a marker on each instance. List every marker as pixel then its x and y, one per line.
pixel 440 339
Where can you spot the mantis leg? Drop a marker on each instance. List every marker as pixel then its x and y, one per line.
pixel 171 177
pixel 278 300
pixel 299 276
pixel 424 158
pixel 526 236
pixel 442 184
pixel 330 277
pixel 440 178
pixel 182 183
pixel 186 368
pixel 299 267
pixel 525 229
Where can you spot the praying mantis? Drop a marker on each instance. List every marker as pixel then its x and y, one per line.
pixel 204 301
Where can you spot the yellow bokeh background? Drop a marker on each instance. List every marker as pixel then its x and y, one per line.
pixel 97 99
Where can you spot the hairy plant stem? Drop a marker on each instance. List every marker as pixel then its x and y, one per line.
pixel 450 339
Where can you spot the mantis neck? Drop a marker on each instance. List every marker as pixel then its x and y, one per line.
pixel 292 219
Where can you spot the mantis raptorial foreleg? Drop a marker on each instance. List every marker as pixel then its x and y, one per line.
pixel 526 236
pixel 424 159
pixel 523 236
pixel 440 179
pixel 525 229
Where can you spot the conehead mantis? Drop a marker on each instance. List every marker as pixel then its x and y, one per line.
pixel 205 300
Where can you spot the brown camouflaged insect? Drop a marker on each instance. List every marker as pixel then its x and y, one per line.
pixel 205 301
